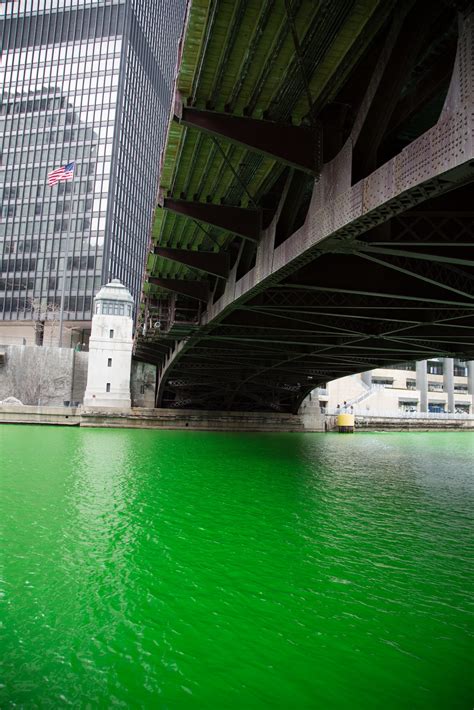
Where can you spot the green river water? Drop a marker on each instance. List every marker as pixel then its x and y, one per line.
pixel 208 570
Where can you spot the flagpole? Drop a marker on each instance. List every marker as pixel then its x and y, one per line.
pixel 63 289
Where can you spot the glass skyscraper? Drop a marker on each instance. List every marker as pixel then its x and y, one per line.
pixel 89 82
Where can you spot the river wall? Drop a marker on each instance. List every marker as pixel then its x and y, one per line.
pixel 412 423
pixel 43 375
pixel 151 418
pixel 141 418
pixel 30 414
pixel 147 418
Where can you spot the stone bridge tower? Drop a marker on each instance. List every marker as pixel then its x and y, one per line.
pixel 110 348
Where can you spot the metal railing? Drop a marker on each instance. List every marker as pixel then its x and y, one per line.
pixel 390 414
pixel 371 389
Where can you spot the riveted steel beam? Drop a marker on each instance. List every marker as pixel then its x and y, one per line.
pixel 211 262
pixel 410 28
pixel 193 289
pixel 244 222
pixel 297 146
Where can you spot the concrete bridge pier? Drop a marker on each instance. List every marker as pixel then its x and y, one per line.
pixel 448 381
pixel 470 379
pixel 422 384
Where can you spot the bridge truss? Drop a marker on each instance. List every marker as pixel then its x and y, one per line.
pixel 316 210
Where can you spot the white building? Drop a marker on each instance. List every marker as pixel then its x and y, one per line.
pixel 110 348
pixel 438 385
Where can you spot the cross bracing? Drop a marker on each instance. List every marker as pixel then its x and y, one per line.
pixel 315 215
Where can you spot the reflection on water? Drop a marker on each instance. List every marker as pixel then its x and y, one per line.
pixel 185 569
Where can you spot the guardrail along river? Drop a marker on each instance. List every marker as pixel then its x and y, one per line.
pixel 210 570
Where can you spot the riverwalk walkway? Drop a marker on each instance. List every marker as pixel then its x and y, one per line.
pixel 144 418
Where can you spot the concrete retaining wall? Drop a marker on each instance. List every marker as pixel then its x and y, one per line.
pixel 79 376
pixel 142 385
pixel 41 375
pixel 412 424
pixel 142 418
pixel 147 418
pixel 379 423
pixel 37 375
pixel 66 416
pixel 310 414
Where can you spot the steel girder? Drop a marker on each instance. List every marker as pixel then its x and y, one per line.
pixel 297 146
pixel 247 223
pixel 215 263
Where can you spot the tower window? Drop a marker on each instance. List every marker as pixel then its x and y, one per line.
pixel 111 333
pixel 109 362
pixel 107 387
pixel 112 308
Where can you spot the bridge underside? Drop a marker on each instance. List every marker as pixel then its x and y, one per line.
pixel 353 249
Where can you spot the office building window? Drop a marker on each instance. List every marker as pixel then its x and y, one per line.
pixel 386 382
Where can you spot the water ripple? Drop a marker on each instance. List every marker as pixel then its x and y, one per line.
pixel 180 569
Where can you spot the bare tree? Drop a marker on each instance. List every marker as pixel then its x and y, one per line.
pixel 38 313
pixel 38 308
pixel 52 314
pixel 42 310
pixel 38 378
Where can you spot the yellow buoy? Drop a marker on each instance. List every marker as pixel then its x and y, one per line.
pixel 345 423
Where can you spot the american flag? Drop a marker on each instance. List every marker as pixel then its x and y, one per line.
pixel 65 172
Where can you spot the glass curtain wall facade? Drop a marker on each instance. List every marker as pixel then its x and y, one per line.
pixel 153 30
pixel 92 83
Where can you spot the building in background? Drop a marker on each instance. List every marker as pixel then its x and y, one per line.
pixel 91 82
pixel 439 385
